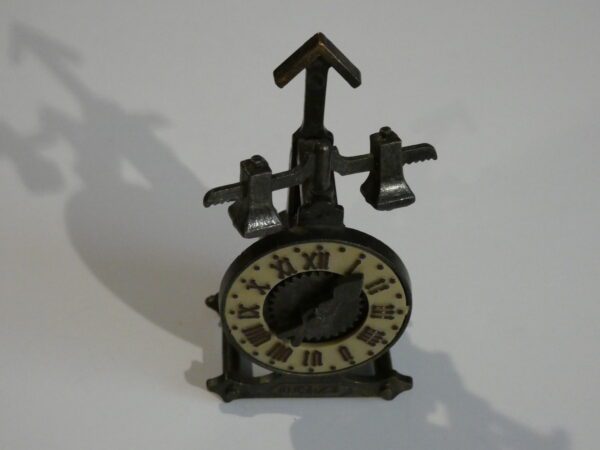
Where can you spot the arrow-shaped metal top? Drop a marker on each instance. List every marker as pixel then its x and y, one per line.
pixel 316 47
pixel 312 199
pixel 315 56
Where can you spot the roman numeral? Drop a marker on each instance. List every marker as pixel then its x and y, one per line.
pixel 261 288
pixel 345 354
pixel 353 267
pixel 383 312
pixel 283 266
pixel 371 337
pixel 279 352
pixel 316 260
pixel 312 358
pixel 248 312
pixel 256 334
pixel 376 286
pixel 356 263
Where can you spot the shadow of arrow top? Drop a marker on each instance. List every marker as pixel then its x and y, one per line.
pixel 316 47
pixel 50 51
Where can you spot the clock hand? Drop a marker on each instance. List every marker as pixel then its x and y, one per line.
pixel 349 286
pixel 295 334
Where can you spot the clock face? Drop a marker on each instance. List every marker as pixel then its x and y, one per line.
pixel 315 307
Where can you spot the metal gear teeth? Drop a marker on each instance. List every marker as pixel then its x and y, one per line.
pixel 299 279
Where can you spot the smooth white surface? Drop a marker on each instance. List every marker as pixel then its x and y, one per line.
pixel 115 117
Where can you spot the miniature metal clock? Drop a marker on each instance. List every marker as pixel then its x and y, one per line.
pixel 315 302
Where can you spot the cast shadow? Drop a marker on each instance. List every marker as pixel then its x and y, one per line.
pixel 439 413
pixel 136 218
pixel 137 222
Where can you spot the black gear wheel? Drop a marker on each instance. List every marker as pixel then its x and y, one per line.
pixel 287 302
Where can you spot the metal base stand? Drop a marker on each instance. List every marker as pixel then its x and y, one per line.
pixel 378 379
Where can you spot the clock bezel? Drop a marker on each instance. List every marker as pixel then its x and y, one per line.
pixel 287 238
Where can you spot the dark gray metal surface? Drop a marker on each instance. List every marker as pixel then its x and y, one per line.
pixel 313 213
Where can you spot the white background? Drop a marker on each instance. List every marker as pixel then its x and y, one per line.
pixel 115 117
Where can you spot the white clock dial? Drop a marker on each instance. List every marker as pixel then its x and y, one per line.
pixel 383 312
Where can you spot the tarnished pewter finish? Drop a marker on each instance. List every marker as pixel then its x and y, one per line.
pixel 317 303
pixel 316 47
pixel 378 379
pixel 314 159
pixel 253 213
